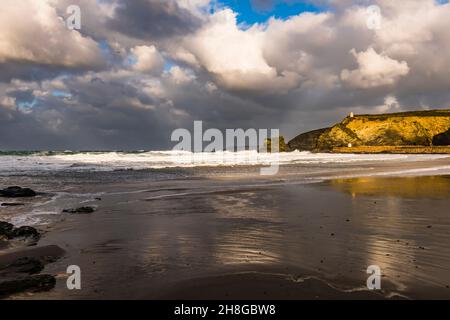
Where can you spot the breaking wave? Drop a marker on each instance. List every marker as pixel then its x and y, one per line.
pixel 28 162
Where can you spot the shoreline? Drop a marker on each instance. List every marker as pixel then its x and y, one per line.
pixel 392 150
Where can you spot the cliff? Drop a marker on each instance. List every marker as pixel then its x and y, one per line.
pixel 307 141
pixel 396 130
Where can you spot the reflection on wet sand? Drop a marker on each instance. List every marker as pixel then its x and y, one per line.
pixel 249 237
pixel 385 222
pixel 253 247
pixel 406 226
pixel 330 231
pixel 406 187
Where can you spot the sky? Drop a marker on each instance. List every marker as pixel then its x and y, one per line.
pixel 137 70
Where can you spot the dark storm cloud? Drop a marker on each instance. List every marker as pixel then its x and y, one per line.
pixel 22 95
pixel 97 115
pixel 153 19
pixel 20 131
pixel 26 71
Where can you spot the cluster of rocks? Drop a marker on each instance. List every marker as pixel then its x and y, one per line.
pixel 26 233
pixel 30 283
pixel 20 268
pixel 19 192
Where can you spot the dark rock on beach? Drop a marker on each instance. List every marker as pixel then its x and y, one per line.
pixel 81 210
pixel 35 283
pixel 17 192
pixel 5 228
pixel 9 232
pixel 18 269
pixel 3 242
pixel 28 265
pixel 25 232
pixel 45 254
pixel 11 204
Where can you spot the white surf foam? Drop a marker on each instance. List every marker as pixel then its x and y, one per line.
pixel 110 161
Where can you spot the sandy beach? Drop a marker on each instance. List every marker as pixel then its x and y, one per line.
pixel 309 232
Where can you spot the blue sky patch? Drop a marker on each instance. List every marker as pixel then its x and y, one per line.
pixel 249 13
pixel 27 106
pixel 131 60
pixel 61 94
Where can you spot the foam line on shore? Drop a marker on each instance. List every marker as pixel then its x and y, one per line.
pixel 113 161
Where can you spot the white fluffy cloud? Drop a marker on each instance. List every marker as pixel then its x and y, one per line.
pixel 417 32
pixel 195 6
pixel 391 104
pixel 148 59
pixel 8 102
pixel 374 70
pixel 32 31
pixel 180 75
pixel 311 50
pixel 235 57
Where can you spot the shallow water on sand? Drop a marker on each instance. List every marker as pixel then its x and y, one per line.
pixel 154 231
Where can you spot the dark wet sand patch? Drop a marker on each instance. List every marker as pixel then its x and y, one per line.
pixel 259 286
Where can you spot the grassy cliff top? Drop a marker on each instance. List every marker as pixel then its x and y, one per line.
pixel 422 113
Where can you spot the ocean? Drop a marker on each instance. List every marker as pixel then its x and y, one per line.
pixel 35 162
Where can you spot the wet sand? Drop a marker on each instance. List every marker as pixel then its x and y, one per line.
pixel 223 237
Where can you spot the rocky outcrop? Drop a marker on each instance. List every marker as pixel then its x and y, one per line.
pixel 19 268
pixel 80 210
pixel 442 139
pixel 6 228
pixel 28 265
pixel 421 128
pixel 45 254
pixel 17 192
pixel 282 146
pixel 35 283
pixel 25 232
pixel 10 232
